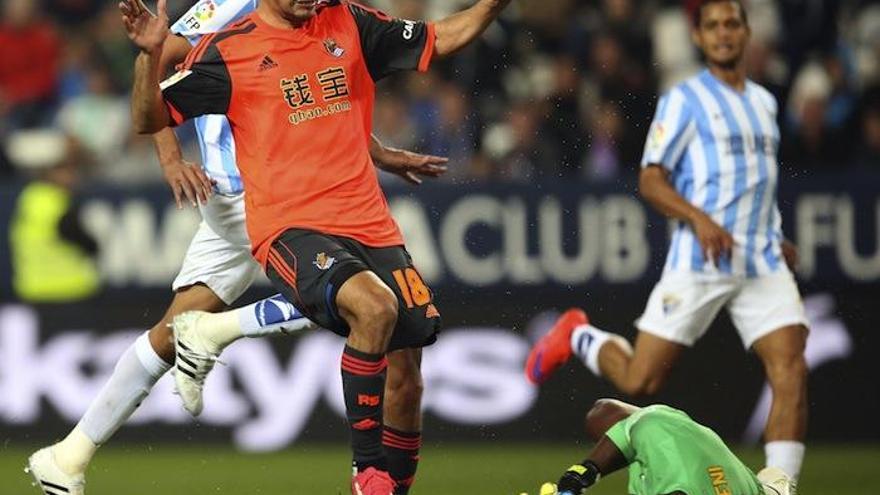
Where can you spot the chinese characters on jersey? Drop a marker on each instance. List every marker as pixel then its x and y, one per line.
pixel 299 94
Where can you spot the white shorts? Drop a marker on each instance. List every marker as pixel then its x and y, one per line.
pixel 219 254
pixel 683 305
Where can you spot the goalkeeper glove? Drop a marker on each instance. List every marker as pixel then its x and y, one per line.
pixel 548 489
pixel 578 478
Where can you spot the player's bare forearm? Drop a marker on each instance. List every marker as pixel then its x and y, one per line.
pixel 148 32
pixel 458 30
pixel 376 148
pixel 174 51
pixel 188 181
pixel 406 164
pixel 607 457
pixel 604 459
pixel 655 188
pixel 148 111
pixel 167 146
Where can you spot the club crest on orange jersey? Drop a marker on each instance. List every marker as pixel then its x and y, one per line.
pixel 333 48
pixel 324 262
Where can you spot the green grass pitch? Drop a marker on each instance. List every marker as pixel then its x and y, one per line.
pixel 446 469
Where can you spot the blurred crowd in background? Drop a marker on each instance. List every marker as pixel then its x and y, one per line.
pixel 557 89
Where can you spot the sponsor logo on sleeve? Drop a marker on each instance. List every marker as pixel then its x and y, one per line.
pixel 657 137
pixel 204 11
pixel 197 16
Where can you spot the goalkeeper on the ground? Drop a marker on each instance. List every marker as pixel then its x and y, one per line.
pixel 667 453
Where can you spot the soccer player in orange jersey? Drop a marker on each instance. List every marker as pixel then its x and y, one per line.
pixel 296 81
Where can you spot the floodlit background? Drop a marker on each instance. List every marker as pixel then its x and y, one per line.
pixel 544 121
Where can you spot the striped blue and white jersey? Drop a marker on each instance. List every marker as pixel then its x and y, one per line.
pixel 720 147
pixel 214 133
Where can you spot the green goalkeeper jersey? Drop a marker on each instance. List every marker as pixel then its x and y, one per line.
pixel 669 452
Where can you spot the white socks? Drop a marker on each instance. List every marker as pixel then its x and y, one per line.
pixel 267 317
pixel 135 373
pixel 139 368
pixel 586 340
pixel 219 329
pixel 787 455
pixel 72 455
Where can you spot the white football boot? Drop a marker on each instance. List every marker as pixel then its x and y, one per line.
pixel 50 479
pixel 776 482
pixel 194 358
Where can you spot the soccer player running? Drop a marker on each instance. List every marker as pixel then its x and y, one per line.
pixel 667 452
pixel 710 164
pixel 216 271
pixel 296 82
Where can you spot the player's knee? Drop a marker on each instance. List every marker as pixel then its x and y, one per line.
pixel 378 309
pixel 162 341
pixel 384 311
pixel 651 387
pixel 642 386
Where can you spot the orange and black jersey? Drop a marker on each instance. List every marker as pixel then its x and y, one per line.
pixel 300 104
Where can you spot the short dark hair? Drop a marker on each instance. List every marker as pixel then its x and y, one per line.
pixel 698 14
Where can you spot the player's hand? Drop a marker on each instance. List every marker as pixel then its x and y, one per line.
pixel 146 30
pixel 570 484
pixel 187 181
pixel 716 242
pixel 578 478
pixel 411 166
pixel 790 253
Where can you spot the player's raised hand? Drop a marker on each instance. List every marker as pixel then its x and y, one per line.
pixel 411 166
pixel 146 30
pixel 187 181
pixel 716 242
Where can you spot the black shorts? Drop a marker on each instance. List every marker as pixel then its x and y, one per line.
pixel 309 267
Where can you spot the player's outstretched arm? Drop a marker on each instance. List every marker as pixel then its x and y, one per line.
pixel 654 186
pixel 407 164
pixel 604 459
pixel 606 418
pixel 458 30
pixel 148 32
